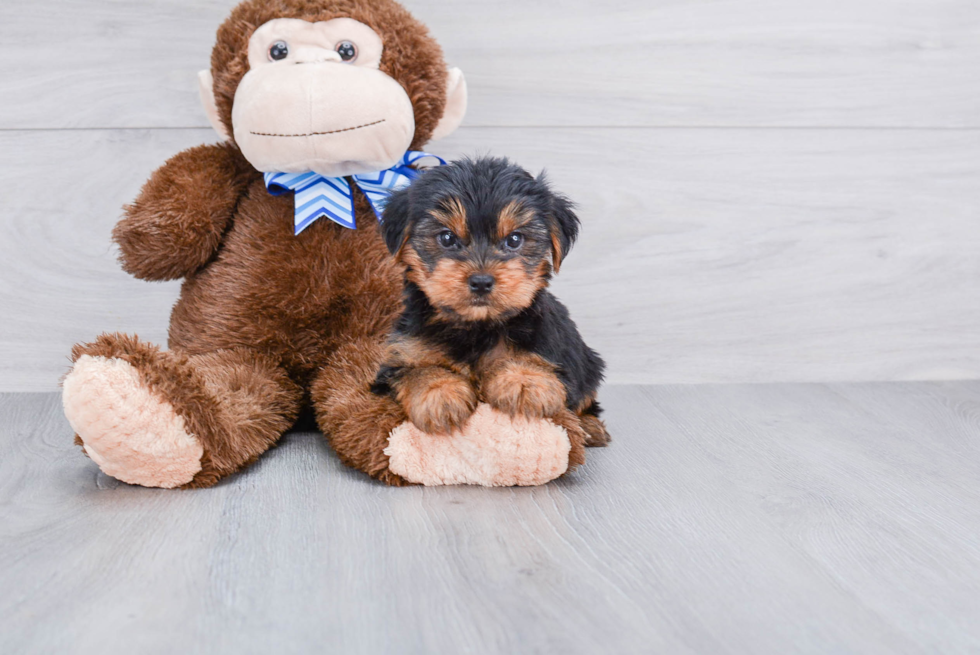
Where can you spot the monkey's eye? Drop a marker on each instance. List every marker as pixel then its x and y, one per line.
pixel 347 50
pixel 447 239
pixel 278 51
pixel 514 241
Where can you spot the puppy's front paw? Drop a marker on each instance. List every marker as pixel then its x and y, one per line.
pixel 436 400
pixel 522 390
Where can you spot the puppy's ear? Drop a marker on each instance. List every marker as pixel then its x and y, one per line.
pixel 564 228
pixel 395 220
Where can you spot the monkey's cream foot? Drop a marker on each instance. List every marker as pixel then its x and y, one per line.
pixel 130 432
pixel 492 449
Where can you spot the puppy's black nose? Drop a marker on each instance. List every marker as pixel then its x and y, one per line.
pixel 481 284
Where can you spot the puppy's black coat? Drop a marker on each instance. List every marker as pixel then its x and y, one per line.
pixel 544 328
pixel 480 239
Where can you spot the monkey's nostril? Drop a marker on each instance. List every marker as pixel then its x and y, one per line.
pixel 481 284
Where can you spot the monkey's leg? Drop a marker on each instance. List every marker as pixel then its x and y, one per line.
pixel 373 434
pixel 165 419
pixel 356 421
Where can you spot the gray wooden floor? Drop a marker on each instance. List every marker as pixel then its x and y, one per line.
pixel 837 518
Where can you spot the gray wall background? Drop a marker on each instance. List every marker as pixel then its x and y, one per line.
pixel 771 190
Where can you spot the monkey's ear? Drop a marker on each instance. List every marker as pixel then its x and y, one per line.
pixel 564 228
pixel 456 99
pixel 395 221
pixel 206 87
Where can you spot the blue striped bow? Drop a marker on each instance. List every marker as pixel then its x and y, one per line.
pixel 318 196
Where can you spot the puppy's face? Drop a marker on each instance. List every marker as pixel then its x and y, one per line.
pixel 480 238
pixel 479 265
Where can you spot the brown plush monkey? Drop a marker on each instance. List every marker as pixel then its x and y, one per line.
pixel 270 320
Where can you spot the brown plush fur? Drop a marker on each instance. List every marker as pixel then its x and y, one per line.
pixel 194 195
pixel 284 306
pixel 236 402
pixel 577 437
pixel 266 320
pixel 356 421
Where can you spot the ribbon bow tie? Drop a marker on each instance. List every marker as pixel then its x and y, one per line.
pixel 318 196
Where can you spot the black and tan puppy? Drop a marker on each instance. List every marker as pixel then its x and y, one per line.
pixel 479 240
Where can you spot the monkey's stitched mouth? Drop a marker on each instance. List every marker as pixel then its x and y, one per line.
pixel 346 129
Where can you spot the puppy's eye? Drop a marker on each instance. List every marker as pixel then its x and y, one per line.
pixel 347 50
pixel 514 241
pixel 447 239
pixel 278 51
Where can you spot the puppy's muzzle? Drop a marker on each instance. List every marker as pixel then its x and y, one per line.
pixel 481 284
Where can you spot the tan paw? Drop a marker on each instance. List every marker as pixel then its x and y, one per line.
pixel 525 390
pixel 493 450
pixel 131 433
pixel 595 431
pixel 436 400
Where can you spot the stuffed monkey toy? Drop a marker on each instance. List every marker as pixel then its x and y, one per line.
pixel 289 291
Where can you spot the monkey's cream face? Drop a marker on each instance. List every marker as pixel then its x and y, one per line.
pixel 314 99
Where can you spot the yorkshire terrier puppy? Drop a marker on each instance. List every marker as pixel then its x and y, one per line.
pixel 479 240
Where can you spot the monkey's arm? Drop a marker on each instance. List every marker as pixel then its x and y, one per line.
pixel 175 225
